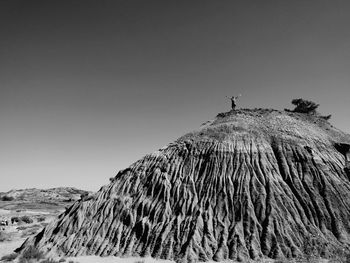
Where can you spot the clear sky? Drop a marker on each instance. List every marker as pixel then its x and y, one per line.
pixel 89 87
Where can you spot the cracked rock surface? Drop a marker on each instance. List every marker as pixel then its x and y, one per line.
pixel 248 184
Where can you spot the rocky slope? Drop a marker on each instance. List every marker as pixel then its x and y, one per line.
pixel 249 184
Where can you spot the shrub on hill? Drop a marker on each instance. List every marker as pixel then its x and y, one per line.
pixel 307 107
pixel 7 198
pixel 41 219
pixel 304 106
pixel 26 219
pixel 15 219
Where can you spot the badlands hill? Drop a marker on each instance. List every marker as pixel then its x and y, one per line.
pixel 248 184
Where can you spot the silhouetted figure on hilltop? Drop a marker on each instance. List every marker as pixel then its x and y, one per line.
pixel 233 101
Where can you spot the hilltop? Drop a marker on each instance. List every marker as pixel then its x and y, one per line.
pixel 268 124
pixel 249 184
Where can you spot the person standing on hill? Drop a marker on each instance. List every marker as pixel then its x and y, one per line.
pixel 233 101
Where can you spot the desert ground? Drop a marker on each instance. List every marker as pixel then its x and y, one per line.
pixel 21 219
pixel 31 210
pixel 25 212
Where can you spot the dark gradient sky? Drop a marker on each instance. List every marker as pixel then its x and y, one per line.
pixel 88 87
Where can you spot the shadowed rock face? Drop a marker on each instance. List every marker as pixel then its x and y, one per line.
pixel 344 148
pixel 249 184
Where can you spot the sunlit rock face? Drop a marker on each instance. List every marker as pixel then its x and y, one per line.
pixel 248 184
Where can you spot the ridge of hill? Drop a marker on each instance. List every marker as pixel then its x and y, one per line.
pixel 51 200
pixel 250 184
pixel 58 193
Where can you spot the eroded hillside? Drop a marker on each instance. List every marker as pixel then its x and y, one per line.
pixel 249 184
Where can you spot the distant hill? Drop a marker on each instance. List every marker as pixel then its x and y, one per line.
pixel 40 199
pixel 59 193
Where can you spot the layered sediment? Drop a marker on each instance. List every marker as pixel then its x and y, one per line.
pixel 249 184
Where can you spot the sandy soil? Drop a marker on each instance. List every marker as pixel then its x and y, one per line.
pixel 8 247
pixel 4 212
pixel 16 234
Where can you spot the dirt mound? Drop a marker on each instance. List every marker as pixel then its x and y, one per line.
pixel 249 184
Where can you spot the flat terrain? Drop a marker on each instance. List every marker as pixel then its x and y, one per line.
pixel 25 212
